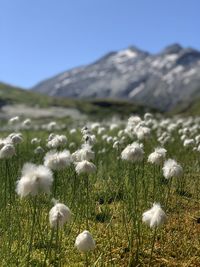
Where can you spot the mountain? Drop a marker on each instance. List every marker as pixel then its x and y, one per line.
pixel 160 80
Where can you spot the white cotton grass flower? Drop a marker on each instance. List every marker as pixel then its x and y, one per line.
pixel 34 179
pixel 56 141
pixel 85 242
pixel 158 156
pixel 101 130
pixel 89 139
pixel 57 160
pixel 72 145
pixel 85 153
pixel 142 132
pixel 114 126
pixel 73 131
pixel 59 215
pixel 26 124
pixel 109 140
pixel 85 167
pixel 39 150
pixel 148 116
pixel 85 130
pixel 16 138
pixel 172 169
pixel 133 152
pixel 116 145
pixel 14 120
pixel 51 126
pixel 35 141
pixel 95 126
pixel 197 139
pixel 188 143
pixel 7 151
pixel 155 216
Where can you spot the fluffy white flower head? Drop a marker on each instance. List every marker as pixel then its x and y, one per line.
pixel 7 151
pixel 133 152
pixel 85 242
pixel 158 156
pixel 85 167
pixel 85 153
pixel 13 120
pixel 57 160
pixel 34 179
pixel 57 141
pixel 155 216
pixel 59 215
pixel 172 169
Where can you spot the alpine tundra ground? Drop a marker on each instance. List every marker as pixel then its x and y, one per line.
pixel 108 182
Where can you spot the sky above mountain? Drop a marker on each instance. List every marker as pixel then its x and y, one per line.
pixel 40 38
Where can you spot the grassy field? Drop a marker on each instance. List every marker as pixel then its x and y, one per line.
pixel 100 108
pixel 109 202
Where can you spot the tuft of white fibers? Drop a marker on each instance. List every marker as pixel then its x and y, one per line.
pixel 35 141
pixel 172 169
pixel 155 216
pixel 16 138
pixel 116 145
pixel 101 130
pixel 197 139
pixel 38 150
pixel 59 215
pixel 51 126
pixel 158 156
pixel 94 126
pixel 85 167
pixel 85 153
pixel 34 179
pixel 13 120
pixel 73 131
pixel 148 116
pixel 56 141
pixel 109 139
pixel 57 160
pixel 114 126
pixel 188 142
pixel 89 139
pixel 7 151
pixel 26 124
pixel 142 132
pixel 85 242
pixel 133 152
pixel 85 130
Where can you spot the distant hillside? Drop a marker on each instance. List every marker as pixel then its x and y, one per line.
pixel 100 108
pixel 192 109
pixel 160 80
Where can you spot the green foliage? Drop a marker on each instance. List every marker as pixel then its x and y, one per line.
pixel 110 204
pixel 94 108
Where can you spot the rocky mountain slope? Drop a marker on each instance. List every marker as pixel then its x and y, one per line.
pixel 160 80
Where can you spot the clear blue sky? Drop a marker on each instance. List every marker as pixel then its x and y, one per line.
pixel 40 38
